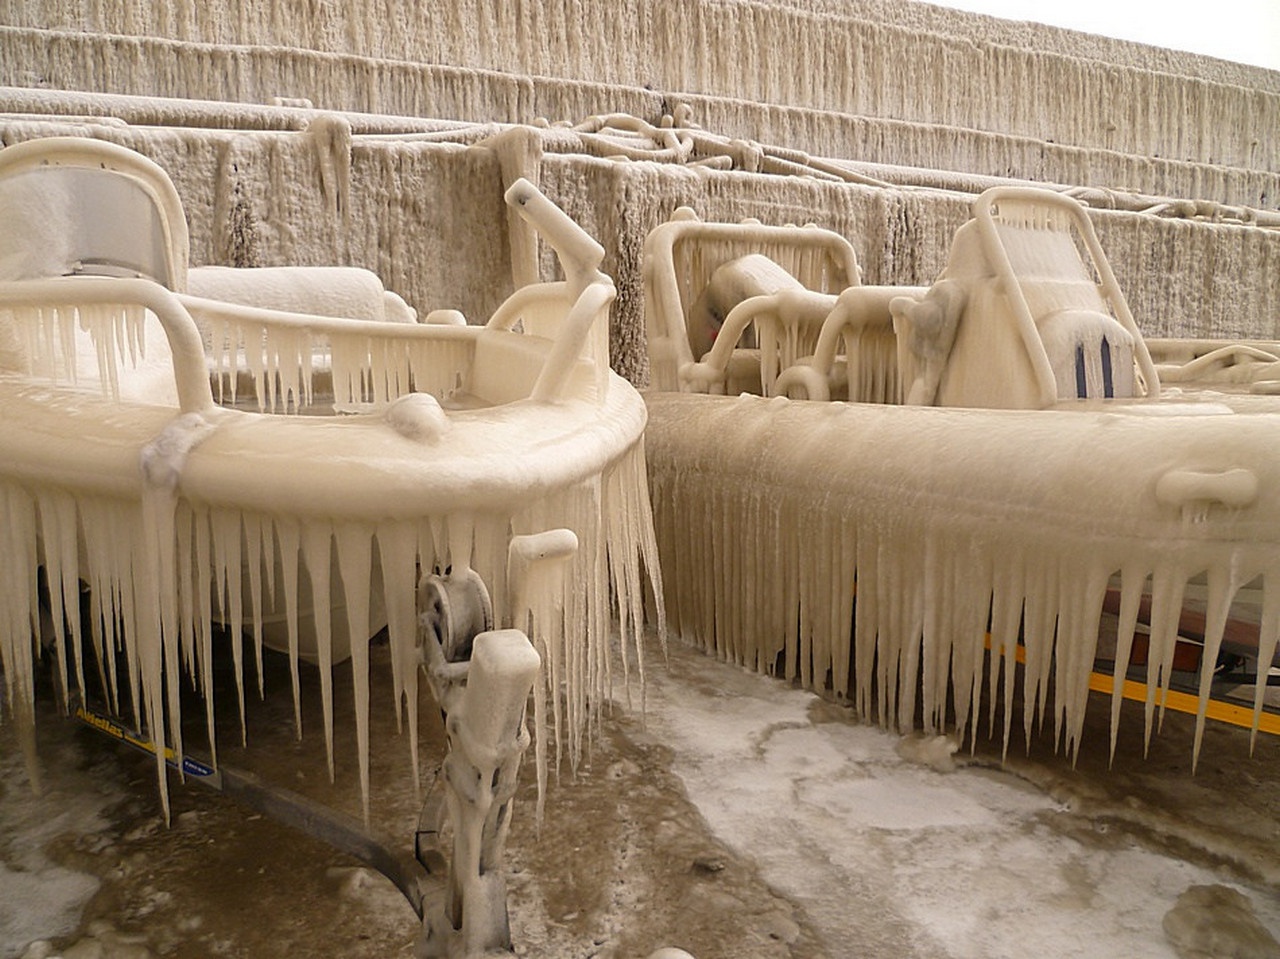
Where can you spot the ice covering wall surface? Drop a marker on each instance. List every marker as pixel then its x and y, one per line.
pixel 892 61
pixel 427 218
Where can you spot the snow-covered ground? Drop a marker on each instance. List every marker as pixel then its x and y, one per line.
pixel 735 817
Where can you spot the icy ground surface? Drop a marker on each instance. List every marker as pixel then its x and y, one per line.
pixel 740 818
pixel 884 846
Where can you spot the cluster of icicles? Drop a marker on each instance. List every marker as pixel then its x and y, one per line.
pixel 162 575
pixel 370 364
pixel 48 341
pixel 789 558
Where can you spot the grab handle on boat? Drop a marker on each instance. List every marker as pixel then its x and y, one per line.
pixel 579 253
pixel 567 347
pixel 1184 487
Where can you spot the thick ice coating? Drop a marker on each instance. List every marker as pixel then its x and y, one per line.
pixel 773 515
pixel 306 531
pixel 1005 465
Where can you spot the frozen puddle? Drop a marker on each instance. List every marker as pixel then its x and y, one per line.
pixel 890 857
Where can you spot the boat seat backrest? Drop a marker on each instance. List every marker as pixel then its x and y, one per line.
pixel 1050 270
pixel 78 206
pixel 64 222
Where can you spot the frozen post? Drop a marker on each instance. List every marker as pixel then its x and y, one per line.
pixel 481 677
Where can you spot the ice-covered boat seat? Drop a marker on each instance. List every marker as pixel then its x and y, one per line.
pixel 1043 319
pixel 75 220
pixel 341 291
pixel 708 286
pixel 76 207
pixel 88 209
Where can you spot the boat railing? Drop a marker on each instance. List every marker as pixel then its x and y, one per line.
pixel 48 316
pixel 1047 261
pixel 286 361
pixel 679 260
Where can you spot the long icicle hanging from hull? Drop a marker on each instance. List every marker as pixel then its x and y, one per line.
pixel 773 516
pixel 166 575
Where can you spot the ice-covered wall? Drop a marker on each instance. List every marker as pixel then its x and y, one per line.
pixel 868 139
pixel 475 29
pixel 427 217
pixel 485 60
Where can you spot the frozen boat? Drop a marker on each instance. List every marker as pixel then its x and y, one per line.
pixel 126 466
pixel 1005 457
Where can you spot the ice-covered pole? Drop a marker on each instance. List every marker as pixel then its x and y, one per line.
pixel 580 255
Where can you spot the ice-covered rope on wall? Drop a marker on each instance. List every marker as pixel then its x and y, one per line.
pixel 676 138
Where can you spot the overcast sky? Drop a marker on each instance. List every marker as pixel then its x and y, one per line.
pixel 1247 31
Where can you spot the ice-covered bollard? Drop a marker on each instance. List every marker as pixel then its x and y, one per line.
pixel 487 736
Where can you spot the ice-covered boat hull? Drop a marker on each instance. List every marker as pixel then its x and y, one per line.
pixel 878 550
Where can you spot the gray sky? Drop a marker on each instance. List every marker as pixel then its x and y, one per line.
pixel 1247 31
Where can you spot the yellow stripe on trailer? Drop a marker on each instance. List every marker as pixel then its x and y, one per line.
pixel 1217 709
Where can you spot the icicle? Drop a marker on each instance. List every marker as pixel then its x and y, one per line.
pixel 144 642
pixel 1006 618
pixel 1268 637
pixel 1039 633
pixel 1132 583
pixel 289 534
pixel 355 555
pixel 1077 649
pixel 973 615
pixel 936 645
pixel 103 592
pixel 18 642
pixel 255 557
pixel 54 562
pixel 229 562
pixel 398 553
pixel 1167 584
pixel 203 586
pixel 1223 587
pixel 317 546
